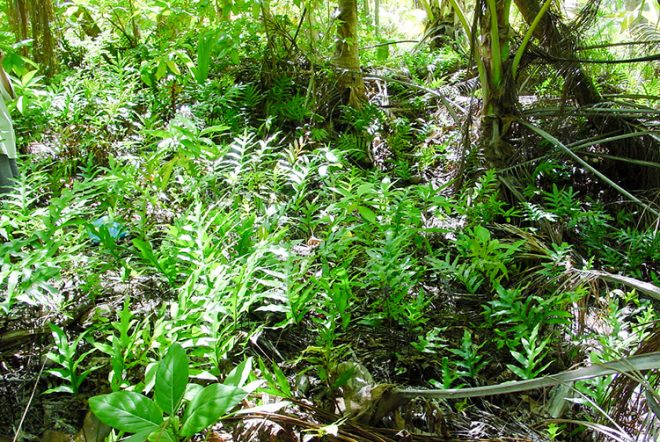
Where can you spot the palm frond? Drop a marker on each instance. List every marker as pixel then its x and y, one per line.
pixel 647 34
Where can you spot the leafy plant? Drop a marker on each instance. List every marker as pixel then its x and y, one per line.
pixel 32 99
pixel 391 271
pixel 531 357
pixel 338 297
pixel 127 348
pixel 463 272
pixel 277 383
pixel 562 202
pixel 65 355
pixel 481 202
pixel 449 375
pixel 430 342
pixel 513 316
pixel 554 430
pixel 487 255
pixel 158 418
pixel 471 361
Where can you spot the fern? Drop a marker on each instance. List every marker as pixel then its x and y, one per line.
pixel 354 146
pixel 236 160
pixel 535 213
pixel 369 118
pixel 402 138
pixel 251 96
pixel 296 169
pixel 562 202
pixel 293 109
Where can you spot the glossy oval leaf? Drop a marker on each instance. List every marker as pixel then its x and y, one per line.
pixel 171 379
pixel 209 405
pixel 127 411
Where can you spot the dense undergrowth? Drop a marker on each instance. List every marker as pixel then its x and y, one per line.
pixel 228 209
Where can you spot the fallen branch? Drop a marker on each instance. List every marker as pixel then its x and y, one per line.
pixel 641 286
pixel 385 398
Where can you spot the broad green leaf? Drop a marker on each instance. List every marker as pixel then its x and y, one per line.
pixel 162 435
pixel 161 70
pixel 215 129
pixel 104 348
pixel 171 379
pixel 208 406
pixel 127 411
pixel 60 389
pixel 282 381
pixel 173 67
pixel 139 437
pixel 28 76
pixel 150 377
pixel 367 214
pixel 59 336
pixel 61 373
pixel 238 376
pixel 166 172
pixel 518 371
pixel 364 189
pixel 192 390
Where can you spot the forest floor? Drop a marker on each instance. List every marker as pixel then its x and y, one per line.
pixel 336 255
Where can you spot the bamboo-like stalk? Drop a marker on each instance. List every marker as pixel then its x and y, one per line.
pixel 495 50
pixel 649 361
pixel 643 287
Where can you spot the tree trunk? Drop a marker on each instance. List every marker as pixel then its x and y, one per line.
pixel 18 21
pixel 43 48
pixel 35 17
pixel 498 87
pixel 350 82
pixel 555 39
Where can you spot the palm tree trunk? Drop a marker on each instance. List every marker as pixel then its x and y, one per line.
pixel 350 82
pixel 498 87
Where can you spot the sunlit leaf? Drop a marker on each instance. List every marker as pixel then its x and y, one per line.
pixel 127 411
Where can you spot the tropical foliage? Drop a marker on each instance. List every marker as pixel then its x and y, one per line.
pixel 319 220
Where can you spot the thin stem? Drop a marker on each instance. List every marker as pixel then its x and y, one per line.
pixel 527 37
